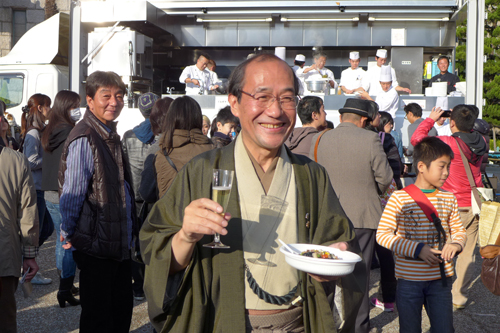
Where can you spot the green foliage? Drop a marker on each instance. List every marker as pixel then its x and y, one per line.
pixel 491 111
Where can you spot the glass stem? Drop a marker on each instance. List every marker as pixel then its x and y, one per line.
pixel 217 238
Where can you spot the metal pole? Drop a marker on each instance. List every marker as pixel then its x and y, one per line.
pixel 471 54
pixel 480 56
pixel 75 48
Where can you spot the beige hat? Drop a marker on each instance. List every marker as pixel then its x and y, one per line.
pixel 354 55
pixel 300 57
pixel 381 53
pixel 385 74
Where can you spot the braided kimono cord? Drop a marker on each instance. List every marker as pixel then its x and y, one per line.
pixel 264 295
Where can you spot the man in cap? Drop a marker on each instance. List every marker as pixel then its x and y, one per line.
pixel 387 99
pixel 351 78
pixel 136 143
pixel 371 81
pixel 359 173
pixel 318 72
pixel 312 114
pixel 197 77
pixel 191 288
pixel 444 75
pixel 298 68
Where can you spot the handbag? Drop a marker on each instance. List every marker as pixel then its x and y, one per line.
pixel 480 194
pixel 317 144
pixel 490 269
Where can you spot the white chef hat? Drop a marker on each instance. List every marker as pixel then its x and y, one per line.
pixel 354 55
pixel 385 74
pixel 300 57
pixel 381 53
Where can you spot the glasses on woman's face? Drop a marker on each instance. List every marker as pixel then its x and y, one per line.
pixel 265 100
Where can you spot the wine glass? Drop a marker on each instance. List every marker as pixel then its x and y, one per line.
pixel 222 182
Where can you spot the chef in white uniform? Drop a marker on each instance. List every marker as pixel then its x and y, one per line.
pixel 388 98
pixel 197 77
pixel 351 78
pixel 318 72
pixel 298 68
pixel 214 78
pixel 371 79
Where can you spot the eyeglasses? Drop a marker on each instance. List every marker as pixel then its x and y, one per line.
pixel 265 100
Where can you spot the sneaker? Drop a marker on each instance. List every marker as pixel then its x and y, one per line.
pixel 138 296
pixel 39 279
pixel 387 307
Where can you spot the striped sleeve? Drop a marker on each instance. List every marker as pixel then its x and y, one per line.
pixel 79 171
pixel 458 234
pixel 387 235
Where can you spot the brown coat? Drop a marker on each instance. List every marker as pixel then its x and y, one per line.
pixel 186 145
pixel 358 169
pixel 18 213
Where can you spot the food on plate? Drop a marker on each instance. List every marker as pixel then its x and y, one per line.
pixel 319 254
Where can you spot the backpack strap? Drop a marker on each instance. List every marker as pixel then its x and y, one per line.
pixel 433 216
pixel 317 144
pixel 169 160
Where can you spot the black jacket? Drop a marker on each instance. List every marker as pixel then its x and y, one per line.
pixel 51 159
pixel 101 230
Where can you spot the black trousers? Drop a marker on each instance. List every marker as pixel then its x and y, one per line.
pixel 388 282
pixel 366 240
pixel 105 294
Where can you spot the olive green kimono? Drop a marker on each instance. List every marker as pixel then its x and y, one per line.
pixel 211 295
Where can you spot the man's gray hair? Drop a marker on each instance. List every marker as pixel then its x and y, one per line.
pixel 319 55
pixel 237 77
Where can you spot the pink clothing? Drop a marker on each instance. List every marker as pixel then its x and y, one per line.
pixel 457 181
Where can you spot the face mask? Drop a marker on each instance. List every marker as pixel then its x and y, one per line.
pixel 75 114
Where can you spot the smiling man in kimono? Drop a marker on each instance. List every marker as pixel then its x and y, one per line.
pixel 276 194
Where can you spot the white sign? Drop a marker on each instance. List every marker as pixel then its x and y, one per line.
pixel 398 37
pixel 420 102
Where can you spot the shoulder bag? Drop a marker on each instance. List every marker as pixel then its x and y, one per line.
pixel 384 198
pixel 479 194
pixel 433 216
pixel 490 270
pixel 317 144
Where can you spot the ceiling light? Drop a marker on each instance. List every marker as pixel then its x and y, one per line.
pixel 267 19
pixel 444 19
pixel 285 19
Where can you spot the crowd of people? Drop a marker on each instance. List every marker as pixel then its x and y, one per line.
pixel 133 213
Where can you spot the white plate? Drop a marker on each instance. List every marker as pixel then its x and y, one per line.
pixel 331 267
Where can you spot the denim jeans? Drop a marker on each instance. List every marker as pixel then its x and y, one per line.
pixel 44 220
pixel 64 258
pixel 411 295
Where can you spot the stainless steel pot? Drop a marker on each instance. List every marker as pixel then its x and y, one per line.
pixel 316 86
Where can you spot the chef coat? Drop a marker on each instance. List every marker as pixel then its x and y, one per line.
pixel 388 101
pixel 316 75
pixel 371 80
pixel 352 78
pixel 443 130
pixel 214 78
pixel 203 77
pixel 299 72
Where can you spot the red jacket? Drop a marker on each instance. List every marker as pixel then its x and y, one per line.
pixel 457 181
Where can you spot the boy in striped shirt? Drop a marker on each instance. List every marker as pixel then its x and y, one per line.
pixel 405 229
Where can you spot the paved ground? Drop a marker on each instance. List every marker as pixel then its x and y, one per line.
pixel 41 313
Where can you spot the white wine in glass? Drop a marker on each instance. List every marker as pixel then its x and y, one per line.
pixel 222 182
